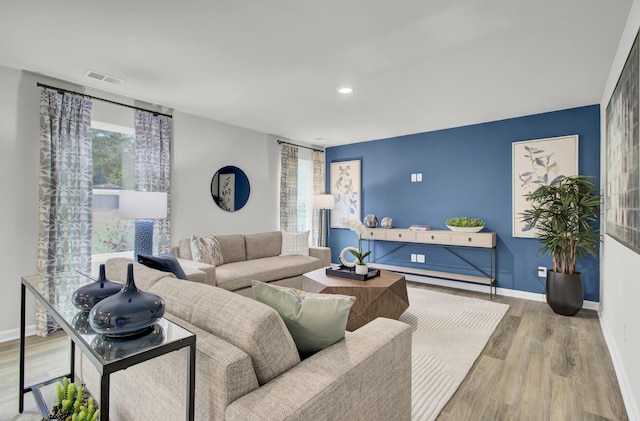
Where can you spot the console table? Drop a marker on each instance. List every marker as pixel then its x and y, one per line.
pixel 54 292
pixel 447 240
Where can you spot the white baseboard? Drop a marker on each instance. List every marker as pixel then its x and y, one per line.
pixel 633 410
pixel 532 296
pixel 11 334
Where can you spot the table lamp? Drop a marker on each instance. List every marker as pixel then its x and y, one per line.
pixel 324 202
pixel 144 207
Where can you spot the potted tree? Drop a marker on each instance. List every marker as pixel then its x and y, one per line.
pixel 565 214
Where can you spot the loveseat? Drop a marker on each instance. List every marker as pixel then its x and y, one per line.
pixel 251 257
pixel 248 367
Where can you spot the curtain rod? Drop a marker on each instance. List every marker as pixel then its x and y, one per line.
pixel 280 142
pixel 42 85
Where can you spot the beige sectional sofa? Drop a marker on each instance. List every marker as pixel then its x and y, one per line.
pixel 248 368
pixel 251 257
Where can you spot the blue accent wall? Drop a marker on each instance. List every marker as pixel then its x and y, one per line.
pixel 466 172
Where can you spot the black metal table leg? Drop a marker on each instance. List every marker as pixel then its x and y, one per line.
pixel 104 397
pixel 191 382
pixel 23 310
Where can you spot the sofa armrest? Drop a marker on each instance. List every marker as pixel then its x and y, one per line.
pixel 198 272
pixel 322 253
pixel 365 376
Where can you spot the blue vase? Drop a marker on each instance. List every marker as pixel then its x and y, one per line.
pixel 127 313
pixel 89 295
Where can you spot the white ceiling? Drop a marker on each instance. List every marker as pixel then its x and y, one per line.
pixel 274 66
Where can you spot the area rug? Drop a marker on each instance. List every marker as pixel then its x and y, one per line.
pixel 449 333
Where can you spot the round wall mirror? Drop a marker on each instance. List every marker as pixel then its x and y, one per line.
pixel 230 188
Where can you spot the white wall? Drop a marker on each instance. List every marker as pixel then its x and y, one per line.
pixel 200 147
pixel 203 146
pixel 620 266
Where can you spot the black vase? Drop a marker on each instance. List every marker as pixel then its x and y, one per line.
pixel 565 293
pixel 112 348
pixel 129 312
pixel 89 295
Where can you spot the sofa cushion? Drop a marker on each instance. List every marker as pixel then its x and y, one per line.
pixel 295 243
pixel 198 272
pixel 266 244
pixel 233 249
pixel 233 276
pixel 315 321
pixel 164 262
pixel 253 327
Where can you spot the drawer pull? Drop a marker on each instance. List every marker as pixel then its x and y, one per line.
pixel 433 237
pixel 399 235
pixel 470 239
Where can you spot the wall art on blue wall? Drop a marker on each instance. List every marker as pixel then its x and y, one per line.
pixel 535 163
pixel 622 202
pixel 346 187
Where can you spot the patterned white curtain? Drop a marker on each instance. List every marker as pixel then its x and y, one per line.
pixel 153 168
pixel 288 188
pixel 318 188
pixel 65 189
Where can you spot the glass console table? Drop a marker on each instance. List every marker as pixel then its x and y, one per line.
pixel 54 292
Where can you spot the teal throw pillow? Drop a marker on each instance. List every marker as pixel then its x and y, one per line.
pixel 315 321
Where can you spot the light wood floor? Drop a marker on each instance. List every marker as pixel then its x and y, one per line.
pixel 536 366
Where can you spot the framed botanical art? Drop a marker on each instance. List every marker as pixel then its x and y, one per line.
pixel 345 180
pixel 538 162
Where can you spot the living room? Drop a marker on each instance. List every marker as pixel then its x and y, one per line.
pixel 466 165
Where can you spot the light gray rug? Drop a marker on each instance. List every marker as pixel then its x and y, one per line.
pixel 449 333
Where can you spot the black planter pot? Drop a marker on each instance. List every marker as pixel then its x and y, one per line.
pixel 565 293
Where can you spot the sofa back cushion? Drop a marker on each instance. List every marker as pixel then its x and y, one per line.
pixel 251 326
pixel 233 249
pixel 266 244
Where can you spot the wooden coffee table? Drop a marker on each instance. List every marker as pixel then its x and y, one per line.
pixel 382 296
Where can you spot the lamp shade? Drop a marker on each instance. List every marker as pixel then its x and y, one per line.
pixel 323 201
pixel 143 204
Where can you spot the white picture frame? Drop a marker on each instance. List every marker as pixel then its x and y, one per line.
pixel 345 178
pixel 538 162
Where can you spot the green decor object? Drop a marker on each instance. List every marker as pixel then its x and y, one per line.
pixel 315 321
pixel 73 404
pixel 465 222
pixel 565 215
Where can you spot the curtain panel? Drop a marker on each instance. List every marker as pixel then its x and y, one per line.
pixel 318 188
pixel 153 168
pixel 288 188
pixel 65 189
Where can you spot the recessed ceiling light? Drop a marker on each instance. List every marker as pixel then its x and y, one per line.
pixel 345 90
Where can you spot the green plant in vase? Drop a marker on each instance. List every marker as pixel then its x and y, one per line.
pixel 565 215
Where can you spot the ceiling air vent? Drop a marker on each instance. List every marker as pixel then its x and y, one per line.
pixel 103 77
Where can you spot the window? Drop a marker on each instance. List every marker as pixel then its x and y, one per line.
pixel 113 170
pixel 305 191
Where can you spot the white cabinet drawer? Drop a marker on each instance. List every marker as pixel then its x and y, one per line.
pixel 375 234
pixel 473 240
pixel 401 235
pixel 435 237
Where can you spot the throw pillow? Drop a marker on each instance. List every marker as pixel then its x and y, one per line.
pixel 164 262
pixel 315 321
pixel 295 243
pixel 206 250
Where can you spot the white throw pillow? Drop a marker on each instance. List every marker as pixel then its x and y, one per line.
pixel 295 243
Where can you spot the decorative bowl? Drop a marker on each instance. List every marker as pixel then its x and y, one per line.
pixel 465 229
